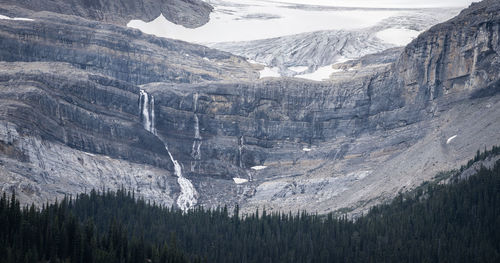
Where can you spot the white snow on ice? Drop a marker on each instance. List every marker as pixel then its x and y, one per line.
pixel 270 72
pixel 397 36
pixel 381 3
pixel 16 18
pixel 451 139
pixel 239 180
pixel 322 73
pixel 258 167
pixel 245 20
pixel 298 69
pixel 255 62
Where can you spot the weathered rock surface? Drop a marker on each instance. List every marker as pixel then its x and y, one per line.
pixel 116 51
pixel 189 13
pixel 341 145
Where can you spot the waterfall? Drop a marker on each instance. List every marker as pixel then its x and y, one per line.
pixel 196 153
pixel 187 197
pixel 195 102
pixel 147 110
pixel 195 149
pixel 196 128
pixel 153 130
pixel 241 142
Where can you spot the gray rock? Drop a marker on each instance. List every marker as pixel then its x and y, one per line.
pixel 341 145
pixel 119 52
pixel 189 13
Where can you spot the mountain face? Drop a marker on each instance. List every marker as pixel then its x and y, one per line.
pixel 91 105
pixel 122 53
pixel 189 13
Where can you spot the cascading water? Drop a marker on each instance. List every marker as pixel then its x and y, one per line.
pixel 195 151
pixel 153 130
pixel 145 109
pixel 187 198
pixel 241 143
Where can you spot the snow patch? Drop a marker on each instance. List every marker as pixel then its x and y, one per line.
pixel 16 18
pixel 322 73
pixel 258 167
pixel 239 180
pixel 298 69
pixel 397 36
pixel 270 72
pixel 359 174
pixel 380 3
pixel 451 139
pixel 255 62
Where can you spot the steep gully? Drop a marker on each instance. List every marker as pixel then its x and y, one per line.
pixel 188 195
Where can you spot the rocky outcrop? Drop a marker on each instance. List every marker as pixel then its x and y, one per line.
pixel 455 57
pixel 89 112
pixel 122 53
pixel 344 144
pixel 189 13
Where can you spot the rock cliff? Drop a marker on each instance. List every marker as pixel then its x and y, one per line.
pixel 189 13
pixel 119 52
pixel 73 116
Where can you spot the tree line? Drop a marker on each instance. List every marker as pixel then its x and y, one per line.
pixel 456 222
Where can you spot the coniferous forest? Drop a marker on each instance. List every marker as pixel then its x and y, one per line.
pixel 454 222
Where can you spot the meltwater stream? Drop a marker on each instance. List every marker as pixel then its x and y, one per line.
pixel 187 198
pixel 195 149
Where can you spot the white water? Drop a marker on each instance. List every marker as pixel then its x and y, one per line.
pixel 187 198
pixel 188 195
pixel 240 149
pixel 144 107
pixel 196 127
pixel 153 130
pixel 195 149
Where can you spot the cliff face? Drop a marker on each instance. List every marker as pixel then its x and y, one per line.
pixel 455 57
pixel 73 117
pixel 189 13
pixel 122 53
